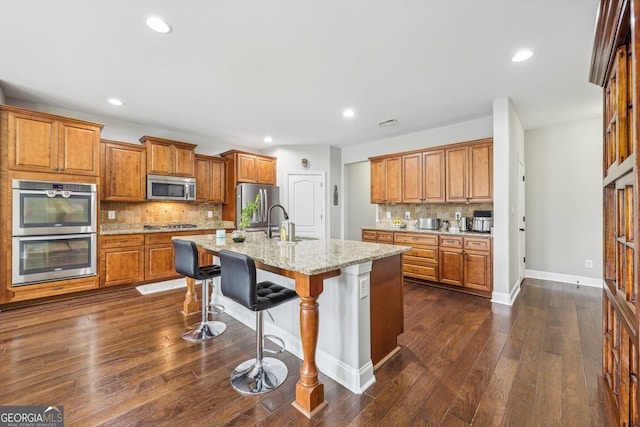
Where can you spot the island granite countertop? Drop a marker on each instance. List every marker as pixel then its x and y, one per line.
pixel 307 256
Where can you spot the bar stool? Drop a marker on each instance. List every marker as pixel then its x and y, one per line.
pixel 238 282
pixel 186 263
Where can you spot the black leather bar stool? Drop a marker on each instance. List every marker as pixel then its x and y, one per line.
pixel 238 282
pixel 186 263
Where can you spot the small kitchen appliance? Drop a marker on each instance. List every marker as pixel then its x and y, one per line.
pixel 428 223
pixel 465 223
pixel 482 221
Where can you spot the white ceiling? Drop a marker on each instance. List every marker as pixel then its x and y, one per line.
pixel 237 70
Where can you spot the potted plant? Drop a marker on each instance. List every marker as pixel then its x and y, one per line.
pixel 245 215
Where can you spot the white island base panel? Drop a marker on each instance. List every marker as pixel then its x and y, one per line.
pixel 344 337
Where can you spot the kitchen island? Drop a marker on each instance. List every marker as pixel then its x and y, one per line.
pixel 362 306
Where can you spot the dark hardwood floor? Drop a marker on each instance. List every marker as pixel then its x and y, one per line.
pixel 117 359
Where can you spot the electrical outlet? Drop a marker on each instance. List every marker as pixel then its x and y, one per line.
pixel 364 288
pixel 588 263
pixel 458 216
pixel 209 214
pixel 111 214
pixel 388 215
pixel 407 215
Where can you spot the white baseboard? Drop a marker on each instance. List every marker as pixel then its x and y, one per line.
pixel 507 298
pixel 564 278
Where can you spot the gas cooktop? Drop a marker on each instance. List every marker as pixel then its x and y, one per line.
pixel 169 227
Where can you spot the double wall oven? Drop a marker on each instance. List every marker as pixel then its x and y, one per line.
pixel 54 231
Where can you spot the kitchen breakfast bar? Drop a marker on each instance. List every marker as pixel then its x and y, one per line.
pixel 357 286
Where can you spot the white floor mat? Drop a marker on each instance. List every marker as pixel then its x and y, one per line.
pixel 162 286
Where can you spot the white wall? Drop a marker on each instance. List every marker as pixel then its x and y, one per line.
pixel 508 148
pixel 564 201
pixel 321 158
pixel 361 212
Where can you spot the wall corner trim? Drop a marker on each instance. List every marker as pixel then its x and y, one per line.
pixel 507 298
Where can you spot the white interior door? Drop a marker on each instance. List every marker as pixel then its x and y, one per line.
pixel 521 221
pixel 306 203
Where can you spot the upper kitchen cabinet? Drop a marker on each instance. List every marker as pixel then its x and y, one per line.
pixel 469 172
pixel 251 168
pixel 167 157
pixel 386 179
pixel 124 170
pixel 39 142
pixel 423 177
pixel 210 179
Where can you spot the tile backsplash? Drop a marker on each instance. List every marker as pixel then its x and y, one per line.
pixel 430 210
pixel 158 212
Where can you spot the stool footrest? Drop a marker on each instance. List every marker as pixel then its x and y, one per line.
pixel 280 342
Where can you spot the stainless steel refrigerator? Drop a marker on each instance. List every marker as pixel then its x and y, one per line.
pixel 269 195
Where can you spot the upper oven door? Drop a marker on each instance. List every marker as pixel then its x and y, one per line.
pixel 40 212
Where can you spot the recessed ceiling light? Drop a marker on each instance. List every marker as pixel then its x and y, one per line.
pixel 268 139
pixel 348 112
pixel 116 101
pixel 522 55
pixel 158 25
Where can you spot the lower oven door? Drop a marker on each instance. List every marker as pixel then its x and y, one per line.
pixel 39 259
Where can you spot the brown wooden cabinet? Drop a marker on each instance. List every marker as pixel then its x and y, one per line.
pixel 245 167
pixel 250 167
pixel 374 236
pixel 615 67
pixel 461 262
pixel 477 264
pixel 121 259
pixel 124 171
pixel 210 179
pixel 451 260
pixel 421 262
pixel 167 157
pixel 423 177
pixel 39 142
pixel 159 256
pixel 386 180
pixel 469 172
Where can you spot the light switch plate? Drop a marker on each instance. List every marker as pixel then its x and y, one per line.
pixel 388 215
pixel 209 214
pixel 458 216
pixel 407 215
pixel 364 288
pixel 111 214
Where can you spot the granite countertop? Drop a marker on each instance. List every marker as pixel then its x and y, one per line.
pixel 411 229
pixel 120 228
pixel 308 256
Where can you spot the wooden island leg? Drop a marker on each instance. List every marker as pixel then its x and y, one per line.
pixel 309 390
pixel 190 304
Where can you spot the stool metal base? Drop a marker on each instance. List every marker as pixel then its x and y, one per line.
pixel 251 378
pixel 204 331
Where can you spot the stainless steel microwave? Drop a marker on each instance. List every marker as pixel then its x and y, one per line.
pixel 171 188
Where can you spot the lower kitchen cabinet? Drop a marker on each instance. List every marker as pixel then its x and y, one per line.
pixel 455 261
pixel 160 257
pixel 121 259
pixel 477 264
pixel 421 262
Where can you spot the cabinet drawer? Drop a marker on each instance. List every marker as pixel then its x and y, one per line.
pixel 424 272
pixel 423 254
pixel 416 239
pixel 162 238
pixel 451 242
pixel 479 244
pixel 368 236
pixel 385 237
pixel 121 240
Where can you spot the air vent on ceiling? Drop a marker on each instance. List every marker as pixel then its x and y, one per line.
pixel 390 122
